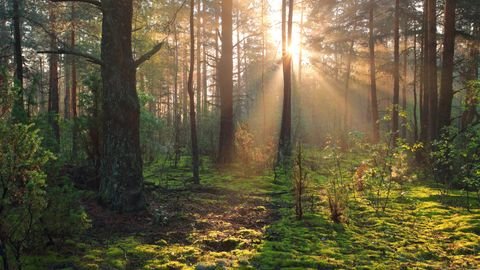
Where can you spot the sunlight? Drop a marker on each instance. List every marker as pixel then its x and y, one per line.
pixel 275 33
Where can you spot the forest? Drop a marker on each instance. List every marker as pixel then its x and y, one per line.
pixel 239 134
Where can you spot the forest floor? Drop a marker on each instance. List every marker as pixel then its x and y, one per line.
pixel 236 220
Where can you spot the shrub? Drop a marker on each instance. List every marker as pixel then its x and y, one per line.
pixel 249 151
pixel 22 186
pixel 387 169
pixel 338 184
pixel 300 181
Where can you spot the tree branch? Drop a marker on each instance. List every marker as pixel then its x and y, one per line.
pixel 87 56
pixel 149 54
pixel 92 2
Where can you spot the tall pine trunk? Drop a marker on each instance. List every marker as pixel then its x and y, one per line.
pixel 193 122
pixel 121 186
pixel 226 86
pixel 284 146
pixel 396 72
pixel 446 87
pixel 373 81
pixel 18 110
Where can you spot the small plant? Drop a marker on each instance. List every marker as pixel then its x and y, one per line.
pixel 386 171
pixel 300 182
pixel 250 152
pixel 337 186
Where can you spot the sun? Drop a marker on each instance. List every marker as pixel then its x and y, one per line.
pixel 296 49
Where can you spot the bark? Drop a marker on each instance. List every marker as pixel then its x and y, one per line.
pixel 284 147
pixel 226 86
pixel 193 127
pixel 396 72
pixel 176 119
pixel 199 66
pixel 446 87
pixel 415 100
pixel 264 121
pixel 373 82
pixel 403 122
pixel 121 186
pixel 67 98
pixel 18 110
pixel 73 102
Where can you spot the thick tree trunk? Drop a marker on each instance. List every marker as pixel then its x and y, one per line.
pixel 373 81
pixel 193 122
pixel 396 72
pixel 121 186
pixel 446 87
pixel 18 111
pixel 284 146
pixel 226 86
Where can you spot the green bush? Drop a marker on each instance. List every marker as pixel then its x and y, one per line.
pixel 22 185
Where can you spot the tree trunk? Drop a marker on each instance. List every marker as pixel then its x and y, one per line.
pixel 121 186
pixel 403 125
pixel 373 82
pixel 226 86
pixel 415 102
pixel 446 87
pixel 284 146
pixel 176 119
pixel 18 110
pixel 73 103
pixel 199 66
pixel 396 72
pixel 193 122
pixel 67 98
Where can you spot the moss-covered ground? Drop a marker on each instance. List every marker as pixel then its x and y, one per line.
pixel 241 220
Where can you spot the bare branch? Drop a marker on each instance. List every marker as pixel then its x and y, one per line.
pixel 149 54
pixel 157 47
pixel 92 2
pixel 87 56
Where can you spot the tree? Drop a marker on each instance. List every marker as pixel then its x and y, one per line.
pixel 373 83
pixel 18 110
pixel 396 71
pixel 121 185
pixel 121 165
pixel 284 146
pixel 193 121
pixel 446 87
pixel 430 98
pixel 225 154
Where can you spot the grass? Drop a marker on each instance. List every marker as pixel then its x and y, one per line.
pixel 240 221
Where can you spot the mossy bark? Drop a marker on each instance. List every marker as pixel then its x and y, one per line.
pixel 121 186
